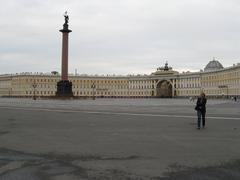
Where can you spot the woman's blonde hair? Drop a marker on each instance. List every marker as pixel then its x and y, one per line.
pixel 202 94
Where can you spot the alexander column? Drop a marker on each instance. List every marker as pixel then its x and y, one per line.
pixel 64 86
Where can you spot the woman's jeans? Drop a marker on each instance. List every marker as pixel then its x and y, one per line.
pixel 201 116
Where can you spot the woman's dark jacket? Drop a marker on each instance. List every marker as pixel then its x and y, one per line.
pixel 201 104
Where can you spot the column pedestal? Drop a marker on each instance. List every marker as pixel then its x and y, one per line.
pixel 64 89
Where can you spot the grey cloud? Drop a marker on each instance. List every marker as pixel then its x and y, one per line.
pixel 140 35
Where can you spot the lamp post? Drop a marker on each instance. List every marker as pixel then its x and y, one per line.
pixel 34 85
pixel 93 92
pixel 10 92
pixel 227 92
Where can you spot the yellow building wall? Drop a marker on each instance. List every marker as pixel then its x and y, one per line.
pixel 225 82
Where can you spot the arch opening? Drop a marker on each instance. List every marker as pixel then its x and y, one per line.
pixel 164 89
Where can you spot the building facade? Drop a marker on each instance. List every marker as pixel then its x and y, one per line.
pixel 215 81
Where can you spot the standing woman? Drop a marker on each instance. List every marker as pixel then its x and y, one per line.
pixel 201 109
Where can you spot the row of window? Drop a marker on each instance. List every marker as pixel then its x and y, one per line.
pixel 188 86
pixel 41 80
pixel 101 86
pixel 90 93
pixel 222 76
pixel 209 92
pixel 32 80
pixel 188 92
pixel 98 81
pixel 188 80
pixel 40 92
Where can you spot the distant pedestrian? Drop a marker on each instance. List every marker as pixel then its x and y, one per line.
pixel 190 99
pixel 235 98
pixel 201 110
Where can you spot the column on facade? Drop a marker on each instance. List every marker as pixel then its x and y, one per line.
pixel 173 87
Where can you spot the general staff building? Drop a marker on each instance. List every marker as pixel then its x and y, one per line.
pixel 214 80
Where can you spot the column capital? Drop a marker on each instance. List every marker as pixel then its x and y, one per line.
pixel 65 30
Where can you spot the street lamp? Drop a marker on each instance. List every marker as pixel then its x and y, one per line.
pixel 10 92
pixel 34 85
pixel 93 92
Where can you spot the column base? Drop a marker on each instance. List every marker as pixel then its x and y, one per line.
pixel 64 89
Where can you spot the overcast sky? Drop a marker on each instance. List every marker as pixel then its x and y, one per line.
pixel 119 37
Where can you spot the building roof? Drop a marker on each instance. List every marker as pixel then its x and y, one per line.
pixel 213 65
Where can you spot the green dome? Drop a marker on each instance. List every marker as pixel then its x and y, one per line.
pixel 213 66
